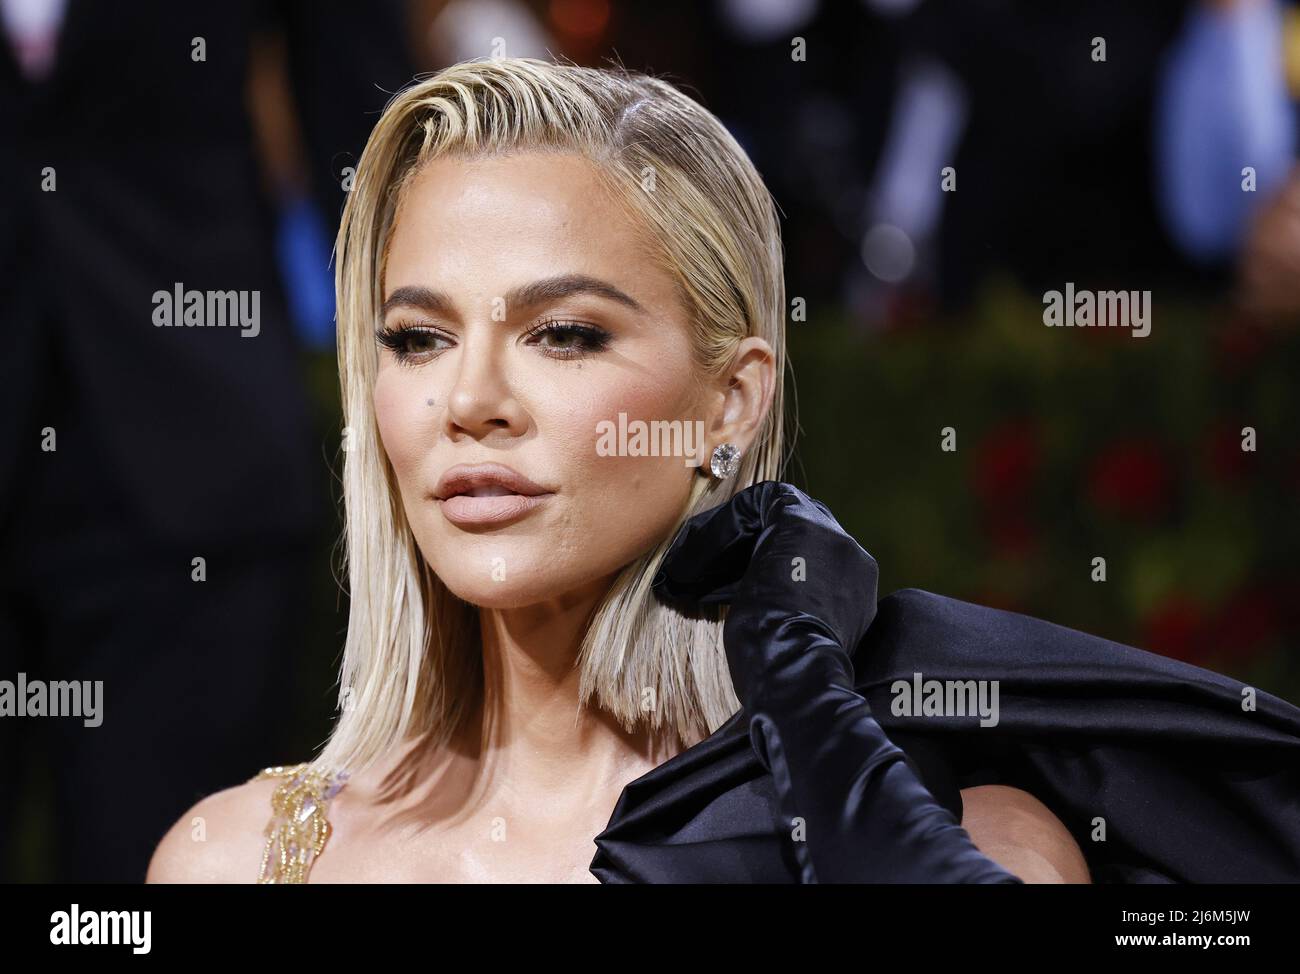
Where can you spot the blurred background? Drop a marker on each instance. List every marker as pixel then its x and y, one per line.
pixel 940 166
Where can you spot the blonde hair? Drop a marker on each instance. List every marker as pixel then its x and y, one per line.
pixel 413 657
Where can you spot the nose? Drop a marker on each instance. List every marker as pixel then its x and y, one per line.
pixel 481 399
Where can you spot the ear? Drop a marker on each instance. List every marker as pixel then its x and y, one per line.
pixel 743 395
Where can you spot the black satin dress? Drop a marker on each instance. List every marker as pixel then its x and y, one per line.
pixel 1154 765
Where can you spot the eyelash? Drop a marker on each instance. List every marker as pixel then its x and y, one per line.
pixel 396 339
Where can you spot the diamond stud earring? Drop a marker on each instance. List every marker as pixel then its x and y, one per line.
pixel 725 460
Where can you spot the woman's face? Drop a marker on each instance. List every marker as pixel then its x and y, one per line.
pixel 522 316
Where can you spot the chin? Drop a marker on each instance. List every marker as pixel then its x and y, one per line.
pixel 505 578
pixel 496 595
pixel 501 580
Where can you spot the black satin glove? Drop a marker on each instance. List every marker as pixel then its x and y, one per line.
pixel 802 594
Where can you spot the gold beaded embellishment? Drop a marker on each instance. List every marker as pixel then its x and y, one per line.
pixel 298 829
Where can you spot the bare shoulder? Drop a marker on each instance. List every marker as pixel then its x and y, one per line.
pixel 1021 834
pixel 219 840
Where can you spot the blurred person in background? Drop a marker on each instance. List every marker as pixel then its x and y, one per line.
pixel 1105 142
pixel 159 486
pixel 1269 269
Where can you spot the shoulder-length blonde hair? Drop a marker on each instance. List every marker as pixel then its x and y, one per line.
pixel 413 659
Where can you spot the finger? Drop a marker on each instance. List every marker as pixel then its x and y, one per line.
pixel 711 553
pixel 804 558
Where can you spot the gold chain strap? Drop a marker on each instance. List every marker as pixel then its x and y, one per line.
pixel 298 829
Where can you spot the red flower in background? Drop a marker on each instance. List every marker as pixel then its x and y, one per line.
pixel 1236 631
pixel 908 307
pixel 1226 460
pixel 1240 344
pixel 1245 623
pixel 1010 532
pixel 1131 478
pixel 996 599
pixel 1174 629
pixel 1005 463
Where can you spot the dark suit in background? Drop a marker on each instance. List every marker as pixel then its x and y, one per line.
pixel 172 443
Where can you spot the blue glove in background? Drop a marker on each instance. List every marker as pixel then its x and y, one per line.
pixel 1222 105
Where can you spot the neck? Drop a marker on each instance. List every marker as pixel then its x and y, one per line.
pixel 533 736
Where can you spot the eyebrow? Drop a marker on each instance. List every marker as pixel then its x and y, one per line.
pixel 524 296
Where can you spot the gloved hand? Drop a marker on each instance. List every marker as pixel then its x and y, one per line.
pixel 802 594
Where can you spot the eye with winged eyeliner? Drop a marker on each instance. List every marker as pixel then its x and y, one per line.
pixel 570 340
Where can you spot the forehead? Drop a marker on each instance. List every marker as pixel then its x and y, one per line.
pixel 506 217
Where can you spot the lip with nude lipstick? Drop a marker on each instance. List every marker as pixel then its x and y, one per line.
pixel 486 493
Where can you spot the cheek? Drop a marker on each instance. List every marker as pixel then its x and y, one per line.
pixel 402 418
pixel 616 484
